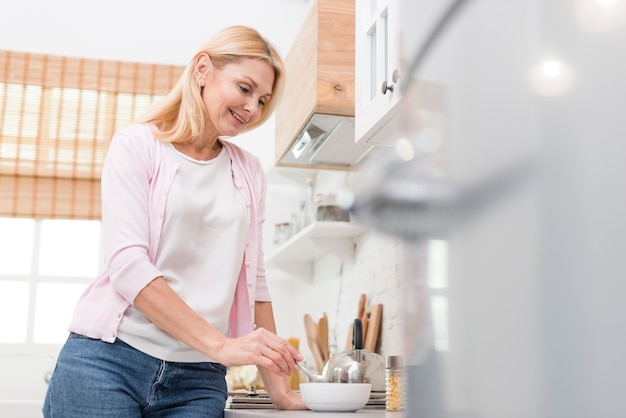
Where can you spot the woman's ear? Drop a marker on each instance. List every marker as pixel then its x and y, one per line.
pixel 202 68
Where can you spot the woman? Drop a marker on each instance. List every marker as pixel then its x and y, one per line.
pixel 183 293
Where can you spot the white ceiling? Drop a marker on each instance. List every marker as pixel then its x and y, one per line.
pixel 160 31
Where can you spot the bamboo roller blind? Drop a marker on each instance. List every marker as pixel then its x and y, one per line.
pixel 57 116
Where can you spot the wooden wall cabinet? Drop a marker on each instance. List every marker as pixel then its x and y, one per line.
pixel 320 74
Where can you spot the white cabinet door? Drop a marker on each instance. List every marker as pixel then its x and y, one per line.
pixel 378 64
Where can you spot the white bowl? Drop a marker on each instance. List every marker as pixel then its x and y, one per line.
pixel 335 397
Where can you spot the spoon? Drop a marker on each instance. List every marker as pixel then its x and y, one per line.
pixel 313 378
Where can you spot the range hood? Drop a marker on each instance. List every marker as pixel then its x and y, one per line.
pixel 315 120
pixel 327 141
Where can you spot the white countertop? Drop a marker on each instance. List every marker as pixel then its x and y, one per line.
pixel 262 413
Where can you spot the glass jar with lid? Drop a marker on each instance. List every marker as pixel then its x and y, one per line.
pixel 395 378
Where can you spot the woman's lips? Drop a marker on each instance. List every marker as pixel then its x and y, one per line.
pixel 237 117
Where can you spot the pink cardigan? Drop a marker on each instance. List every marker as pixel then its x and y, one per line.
pixel 136 178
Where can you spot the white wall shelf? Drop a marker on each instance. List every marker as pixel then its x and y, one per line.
pixel 296 255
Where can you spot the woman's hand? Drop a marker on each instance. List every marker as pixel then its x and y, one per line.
pixel 277 385
pixel 287 400
pixel 261 348
pixel 280 393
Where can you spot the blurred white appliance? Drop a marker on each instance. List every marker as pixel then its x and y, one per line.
pixel 521 171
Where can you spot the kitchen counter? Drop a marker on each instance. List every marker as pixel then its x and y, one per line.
pixel 262 413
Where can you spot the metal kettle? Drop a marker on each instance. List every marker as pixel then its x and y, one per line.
pixel 357 365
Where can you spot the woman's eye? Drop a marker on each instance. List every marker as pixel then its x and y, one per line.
pixel 262 102
pixel 244 89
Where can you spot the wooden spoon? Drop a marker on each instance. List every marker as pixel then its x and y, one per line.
pixel 311 337
pixel 361 308
pixel 322 337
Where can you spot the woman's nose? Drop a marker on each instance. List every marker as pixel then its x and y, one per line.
pixel 252 107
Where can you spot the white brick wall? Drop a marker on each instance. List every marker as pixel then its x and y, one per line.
pixel 335 289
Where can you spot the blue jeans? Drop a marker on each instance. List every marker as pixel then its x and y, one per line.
pixel 93 378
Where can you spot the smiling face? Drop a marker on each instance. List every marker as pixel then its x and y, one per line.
pixel 234 95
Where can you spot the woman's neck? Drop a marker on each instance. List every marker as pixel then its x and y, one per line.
pixel 200 150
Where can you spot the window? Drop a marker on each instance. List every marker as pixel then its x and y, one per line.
pixel 57 116
pixel 45 265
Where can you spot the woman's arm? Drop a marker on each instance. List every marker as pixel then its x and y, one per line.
pixel 277 385
pixel 263 348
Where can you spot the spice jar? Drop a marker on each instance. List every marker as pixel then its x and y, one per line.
pixel 282 232
pixel 395 375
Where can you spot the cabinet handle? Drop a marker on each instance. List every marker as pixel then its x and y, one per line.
pixel 386 87
pixel 389 87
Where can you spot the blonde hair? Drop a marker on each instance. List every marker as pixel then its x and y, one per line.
pixel 181 115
